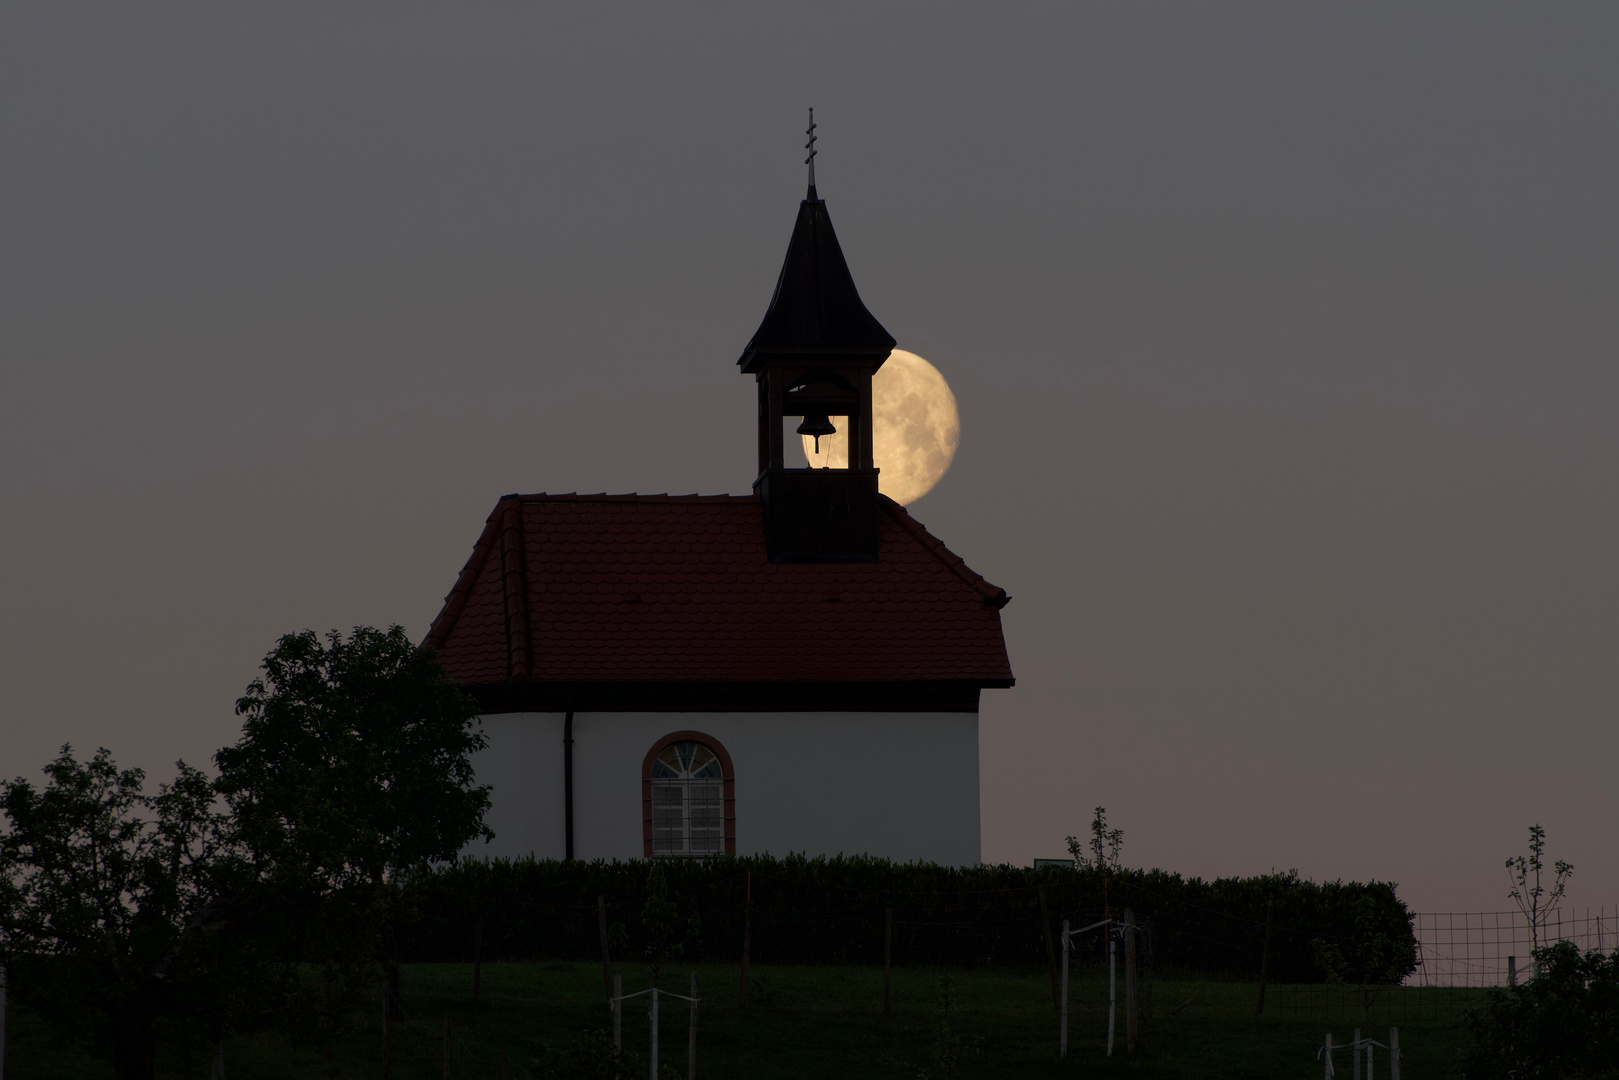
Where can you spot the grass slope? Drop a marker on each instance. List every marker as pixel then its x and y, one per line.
pixel 818 1022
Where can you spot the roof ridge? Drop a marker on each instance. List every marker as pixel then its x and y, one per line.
pixel 993 594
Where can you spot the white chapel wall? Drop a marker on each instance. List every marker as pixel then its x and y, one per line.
pixel 900 785
pixel 523 763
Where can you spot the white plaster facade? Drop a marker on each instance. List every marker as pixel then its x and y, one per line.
pixel 899 785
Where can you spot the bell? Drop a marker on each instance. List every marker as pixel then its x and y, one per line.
pixel 815 425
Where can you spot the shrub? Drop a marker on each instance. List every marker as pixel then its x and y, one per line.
pixel 1562 1023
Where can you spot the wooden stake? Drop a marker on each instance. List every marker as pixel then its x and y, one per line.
pixel 384 1031
pixel 654 996
pixel 747 940
pixel 888 954
pixel 1062 1010
pixel 5 1016
pixel 1264 957
pixel 446 1046
pixel 691 1033
pixel 1051 956
pixel 601 932
pixel 503 1065
pixel 618 1013
pixel 477 948
pixel 1130 1013
pixel 1394 1053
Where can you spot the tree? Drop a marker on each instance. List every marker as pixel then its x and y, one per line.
pixel 1533 899
pixel 112 901
pixel 661 920
pixel 1104 845
pixel 351 775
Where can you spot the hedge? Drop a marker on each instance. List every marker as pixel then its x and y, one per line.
pixel 832 910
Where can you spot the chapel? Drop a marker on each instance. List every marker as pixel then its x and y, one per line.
pixel 797 669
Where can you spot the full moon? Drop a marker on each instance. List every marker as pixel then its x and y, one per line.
pixel 915 429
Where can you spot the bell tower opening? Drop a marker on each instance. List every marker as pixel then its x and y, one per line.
pixel 813 358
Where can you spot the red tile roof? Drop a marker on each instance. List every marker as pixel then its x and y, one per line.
pixel 661 588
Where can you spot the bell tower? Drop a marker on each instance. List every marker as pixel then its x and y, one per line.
pixel 813 357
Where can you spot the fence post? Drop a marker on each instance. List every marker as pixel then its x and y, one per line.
pixel 446 1046
pixel 888 953
pixel 1062 1009
pixel 618 1013
pixel 1130 982
pixel 1264 956
pixel 1394 1053
pixel 1354 1054
pixel 747 942
pixel 654 1073
pixel 384 1031
pixel 1051 958
pixel 1326 1058
pixel 1512 971
pixel 691 1033
pixel 219 1059
pixel 1112 979
pixel 4 1017
pixel 601 932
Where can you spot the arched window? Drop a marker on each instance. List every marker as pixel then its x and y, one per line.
pixel 688 801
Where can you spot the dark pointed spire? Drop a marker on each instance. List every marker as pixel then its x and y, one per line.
pixel 810 161
pixel 816 309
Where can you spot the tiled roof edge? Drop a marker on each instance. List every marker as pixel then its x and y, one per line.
pixel 456 600
pixel 573 496
pixel 993 594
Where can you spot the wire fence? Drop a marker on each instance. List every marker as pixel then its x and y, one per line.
pixel 1491 948
pixel 1218 950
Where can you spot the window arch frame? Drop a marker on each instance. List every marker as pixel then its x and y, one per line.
pixel 727 778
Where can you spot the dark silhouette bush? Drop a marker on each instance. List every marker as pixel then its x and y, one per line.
pixel 1564 1022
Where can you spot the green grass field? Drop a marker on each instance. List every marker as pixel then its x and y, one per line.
pixel 823 1022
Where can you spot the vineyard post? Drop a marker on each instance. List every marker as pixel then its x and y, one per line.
pixel 888 952
pixel 691 1033
pixel 747 941
pixel 1051 959
pixel 654 1073
pixel 1112 982
pixel 1264 956
pixel 1062 1010
pixel 601 932
pixel 477 947
pixel 1130 1013
pixel 618 1013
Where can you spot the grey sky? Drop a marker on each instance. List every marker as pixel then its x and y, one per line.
pixel 1284 338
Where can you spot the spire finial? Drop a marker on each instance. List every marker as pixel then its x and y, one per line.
pixel 810 146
